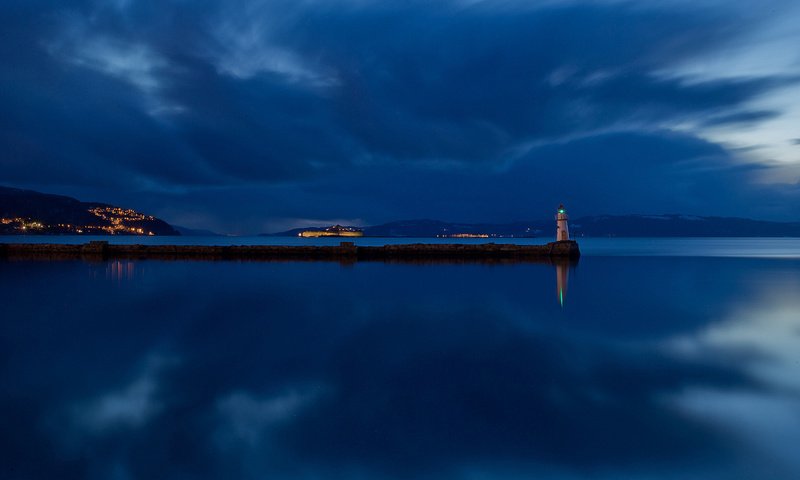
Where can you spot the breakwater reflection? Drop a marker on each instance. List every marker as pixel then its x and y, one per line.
pixel 656 368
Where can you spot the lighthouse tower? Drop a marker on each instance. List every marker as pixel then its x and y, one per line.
pixel 562 230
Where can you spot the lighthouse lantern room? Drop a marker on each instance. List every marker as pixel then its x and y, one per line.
pixel 562 230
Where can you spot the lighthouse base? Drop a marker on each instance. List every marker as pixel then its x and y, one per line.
pixel 565 248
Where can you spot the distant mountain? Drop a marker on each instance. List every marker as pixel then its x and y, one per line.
pixel 31 213
pixel 680 226
pixel 591 226
pixel 435 228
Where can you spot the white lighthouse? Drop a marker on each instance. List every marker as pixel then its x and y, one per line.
pixel 562 230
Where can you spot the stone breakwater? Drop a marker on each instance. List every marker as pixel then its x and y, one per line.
pixel 345 251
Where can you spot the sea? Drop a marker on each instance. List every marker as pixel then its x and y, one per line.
pixel 670 358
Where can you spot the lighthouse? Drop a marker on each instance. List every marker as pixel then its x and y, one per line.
pixel 562 230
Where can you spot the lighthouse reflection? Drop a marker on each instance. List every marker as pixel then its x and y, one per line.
pixel 562 278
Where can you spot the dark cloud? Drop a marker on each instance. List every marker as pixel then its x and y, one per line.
pixel 614 173
pixel 277 98
pixel 607 173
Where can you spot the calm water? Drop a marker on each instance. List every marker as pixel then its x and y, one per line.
pixel 656 366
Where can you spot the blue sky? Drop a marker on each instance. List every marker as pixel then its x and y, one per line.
pixel 247 116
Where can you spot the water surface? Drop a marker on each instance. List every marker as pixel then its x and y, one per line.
pixel 650 366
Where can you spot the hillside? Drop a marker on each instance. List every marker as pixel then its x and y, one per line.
pixel 25 212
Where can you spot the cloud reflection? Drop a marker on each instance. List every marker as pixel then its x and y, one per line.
pixel 130 406
pixel 246 418
pixel 764 338
pixel 402 371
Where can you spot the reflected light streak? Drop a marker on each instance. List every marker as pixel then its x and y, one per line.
pixel 119 270
pixel 562 277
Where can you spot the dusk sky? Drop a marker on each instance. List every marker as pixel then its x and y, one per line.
pixel 250 116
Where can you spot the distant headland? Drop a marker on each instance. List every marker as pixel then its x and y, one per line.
pixel 25 212
pixel 332 231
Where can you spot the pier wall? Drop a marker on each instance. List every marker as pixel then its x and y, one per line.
pixel 345 251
